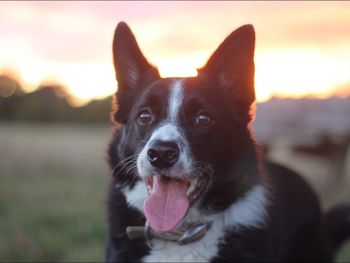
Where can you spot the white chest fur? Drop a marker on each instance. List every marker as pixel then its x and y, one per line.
pixel 249 211
pixel 199 251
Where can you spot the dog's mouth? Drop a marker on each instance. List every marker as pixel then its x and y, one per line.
pixel 170 199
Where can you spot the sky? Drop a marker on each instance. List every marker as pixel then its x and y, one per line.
pixel 302 48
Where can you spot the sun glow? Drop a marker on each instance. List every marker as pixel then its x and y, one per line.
pixel 87 81
pixel 84 81
pixel 304 54
pixel 180 66
pixel 298 73
pixel 280 72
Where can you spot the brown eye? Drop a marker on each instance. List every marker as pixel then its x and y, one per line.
pixel 145 117
pixel 204 119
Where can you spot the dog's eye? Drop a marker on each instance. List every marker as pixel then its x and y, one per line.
pixel 204 119
pixel 145 117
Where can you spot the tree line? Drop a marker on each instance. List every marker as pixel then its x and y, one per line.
pixel 48 103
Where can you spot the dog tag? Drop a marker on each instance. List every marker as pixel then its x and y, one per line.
pixel 194 233
pixel 135 232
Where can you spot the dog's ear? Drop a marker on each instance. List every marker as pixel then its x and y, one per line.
pixel 133 72
pixel 232 67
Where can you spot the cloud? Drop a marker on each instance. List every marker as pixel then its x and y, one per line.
pixel 83 30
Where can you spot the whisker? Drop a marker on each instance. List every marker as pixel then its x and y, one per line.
pixel 133 178
pixel 124 165
pixel 121 162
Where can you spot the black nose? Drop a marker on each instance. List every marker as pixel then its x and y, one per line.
pixel 163 154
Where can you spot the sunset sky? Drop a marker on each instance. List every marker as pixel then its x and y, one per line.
pixel 302 48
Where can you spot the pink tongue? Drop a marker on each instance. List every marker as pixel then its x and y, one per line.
pixel 167 204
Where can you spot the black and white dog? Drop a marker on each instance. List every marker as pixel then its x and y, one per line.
pixel 189 183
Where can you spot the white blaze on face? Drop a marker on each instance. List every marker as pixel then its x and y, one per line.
pixel 169 130
pixel 175 101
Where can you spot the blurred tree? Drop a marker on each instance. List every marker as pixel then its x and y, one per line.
pixel 48 103
pixel 10 91
pixel 8 86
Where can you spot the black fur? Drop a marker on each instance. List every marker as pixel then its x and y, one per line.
pixel 295 228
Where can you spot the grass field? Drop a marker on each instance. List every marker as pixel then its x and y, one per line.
pixel 53 182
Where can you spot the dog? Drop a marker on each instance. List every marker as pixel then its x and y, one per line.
pixel 189 182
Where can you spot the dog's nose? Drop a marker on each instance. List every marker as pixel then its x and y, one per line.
pixel 163 154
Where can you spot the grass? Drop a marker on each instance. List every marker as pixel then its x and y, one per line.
pixel 53 182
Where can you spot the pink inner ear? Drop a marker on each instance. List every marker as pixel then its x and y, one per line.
pixel 227 80
pixel 133 74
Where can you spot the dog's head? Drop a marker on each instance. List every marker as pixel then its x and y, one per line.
pixel 186 137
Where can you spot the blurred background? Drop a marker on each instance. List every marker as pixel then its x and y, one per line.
pixel 57 79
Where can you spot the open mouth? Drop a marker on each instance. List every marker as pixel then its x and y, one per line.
pixel 170 199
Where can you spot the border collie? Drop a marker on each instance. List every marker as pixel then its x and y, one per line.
pixel 188 180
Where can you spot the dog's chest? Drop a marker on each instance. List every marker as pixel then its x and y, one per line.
pixel 248 212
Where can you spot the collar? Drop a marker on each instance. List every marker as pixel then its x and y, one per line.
pixel 191 233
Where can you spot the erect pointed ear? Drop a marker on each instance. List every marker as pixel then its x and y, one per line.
pixel 232 66
pixel 133 72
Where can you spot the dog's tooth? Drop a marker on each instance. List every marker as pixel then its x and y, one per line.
pixel 192 186
pixel 149 188
pixel 149 185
